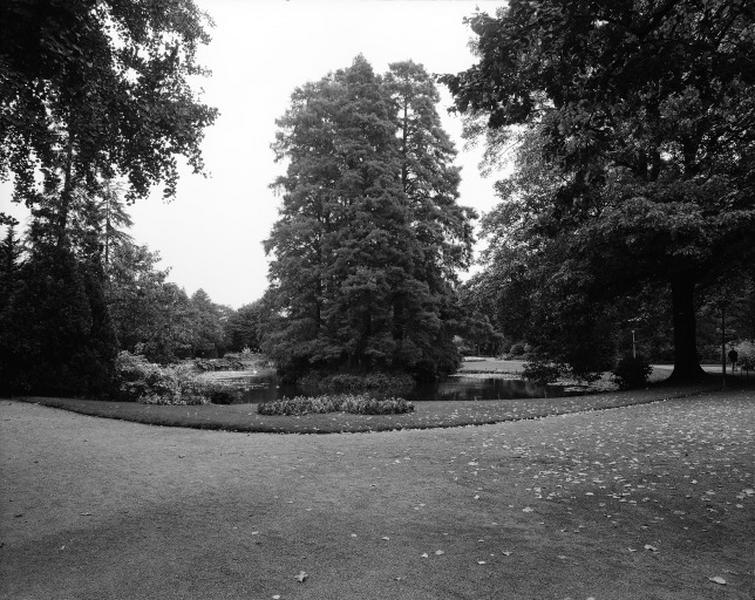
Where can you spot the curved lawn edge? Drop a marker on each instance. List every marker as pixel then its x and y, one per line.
pixel 427 415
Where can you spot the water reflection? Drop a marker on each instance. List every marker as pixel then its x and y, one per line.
pixel 458 387
pixel 462 387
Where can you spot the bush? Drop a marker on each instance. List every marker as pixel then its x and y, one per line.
pixel 355 404
pixel 150 383
pixel 631 372
pixel 378 385
pixel 227 363
pixel 541 372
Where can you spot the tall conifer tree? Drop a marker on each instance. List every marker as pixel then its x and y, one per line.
pixel 362 275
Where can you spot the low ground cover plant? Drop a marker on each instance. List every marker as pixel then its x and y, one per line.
pixel 360 404
pixel 151 383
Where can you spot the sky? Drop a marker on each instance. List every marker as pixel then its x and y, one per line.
pixel 211 234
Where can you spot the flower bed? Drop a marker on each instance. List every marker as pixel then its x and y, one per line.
pixel 355 404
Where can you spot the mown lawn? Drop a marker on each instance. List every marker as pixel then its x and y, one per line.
pixel 244 417
pixel 644 502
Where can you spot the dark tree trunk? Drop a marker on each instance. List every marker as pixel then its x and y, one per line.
pixel 686 362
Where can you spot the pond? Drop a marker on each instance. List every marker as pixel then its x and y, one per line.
pixel 457 387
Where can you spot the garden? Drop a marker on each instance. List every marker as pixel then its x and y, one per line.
pixel 415 390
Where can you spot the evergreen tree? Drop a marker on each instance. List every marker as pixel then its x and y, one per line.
pixel 41 352
pixel 362 273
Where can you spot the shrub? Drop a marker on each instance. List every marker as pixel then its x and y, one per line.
pixel 355 404
pixel 150 383
pixel 227 363
pixel 541 372
pixel 378 385
pixel 631 372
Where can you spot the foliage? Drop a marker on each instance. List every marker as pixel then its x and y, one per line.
pixel 227 363
pixel 479 327
pixel 244 327
pixel 632 372
pixel 90 91
pixel 746 355
pixel 634 123
pixel 153 316
pixel 150 383
pixel 370 233
pixel 732 301
pixel 362 404
pixel 378 385
pixel 542 372
pixel 206 317
pixel 57 337
pixel 94 89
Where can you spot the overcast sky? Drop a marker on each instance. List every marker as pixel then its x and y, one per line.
pixel 211 234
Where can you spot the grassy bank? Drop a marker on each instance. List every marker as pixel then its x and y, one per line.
pixel 243 417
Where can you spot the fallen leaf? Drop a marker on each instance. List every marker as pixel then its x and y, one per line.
pixel 425 555
pixel 439 552
pixel 301 577
pixel 651 548
pixel 385 537
pixel 717 579
pixel 481 562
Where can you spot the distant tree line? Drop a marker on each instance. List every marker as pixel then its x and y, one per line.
pixel 66 312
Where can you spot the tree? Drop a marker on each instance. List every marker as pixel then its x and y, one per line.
pixel 207 326
pixel 639 129
pixel 10 253
pixel 151 315
pixel 42 353
pixel 362 270
pixel 91 90
pixel 244 327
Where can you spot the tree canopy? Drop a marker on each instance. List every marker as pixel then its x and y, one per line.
pixel 98 89
pixel 90 91
pixel 369 236
pixel 636 127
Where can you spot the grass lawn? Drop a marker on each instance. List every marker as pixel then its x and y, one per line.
pixel 244 417
pixel 643 502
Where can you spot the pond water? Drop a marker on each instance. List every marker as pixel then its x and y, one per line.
pixel 457 387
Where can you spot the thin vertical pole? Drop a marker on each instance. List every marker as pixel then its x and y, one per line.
pixel 723 346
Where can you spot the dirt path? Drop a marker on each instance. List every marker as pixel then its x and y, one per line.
pixel 643 502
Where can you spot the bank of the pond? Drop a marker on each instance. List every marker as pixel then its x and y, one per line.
pixel 244 417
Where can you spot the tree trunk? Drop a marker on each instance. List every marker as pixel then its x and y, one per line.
pixel 686 362
pixel 65 196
